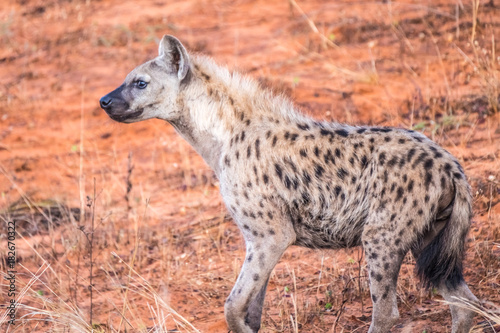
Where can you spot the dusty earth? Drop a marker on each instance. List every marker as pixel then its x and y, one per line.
pixel 165 254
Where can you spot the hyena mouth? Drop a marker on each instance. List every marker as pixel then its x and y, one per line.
pixel 124 117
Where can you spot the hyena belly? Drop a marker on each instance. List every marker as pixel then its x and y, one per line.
pixel 332 231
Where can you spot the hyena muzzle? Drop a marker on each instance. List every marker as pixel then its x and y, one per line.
pixel 290 180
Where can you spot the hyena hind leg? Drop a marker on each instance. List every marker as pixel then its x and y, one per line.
pixel 462 319
pixel 384 259
pixel 453 289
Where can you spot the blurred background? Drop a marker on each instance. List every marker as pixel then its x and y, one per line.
pixel 163 253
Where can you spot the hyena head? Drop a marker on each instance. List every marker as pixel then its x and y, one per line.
pixel 151 89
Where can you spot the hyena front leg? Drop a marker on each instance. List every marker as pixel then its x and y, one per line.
pixel 265 245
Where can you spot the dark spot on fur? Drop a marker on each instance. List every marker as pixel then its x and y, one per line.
pixel 325 132
pixel 303 153
pixel 383 130
pixel 256 277
pixel 278 170
pixel 287 182
pixel 428 179
pixel 410 185
pixel 381 158
pixel 361 130
pixel 387 139
pixel 402 162
pixel 386 293
pixel 338 189
pixel 275 139
pixel 400 193
pixel 342 132
pixel 306 178
pixel 318 170
pixel 303 127
pixel 364 161
pixel 411 153
pixel 329 157
pixel 205 76
pixel 392 162
pixel 341 173
pixel 265 178
pixel 257 148
pixel 306 198
pixel 420 158
pixel 428 164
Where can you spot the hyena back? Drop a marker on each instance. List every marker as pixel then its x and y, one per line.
pixel 290 180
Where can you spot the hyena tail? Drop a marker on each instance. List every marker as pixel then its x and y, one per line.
pixel 441 260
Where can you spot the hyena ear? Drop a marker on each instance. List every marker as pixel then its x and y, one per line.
pixel 174 54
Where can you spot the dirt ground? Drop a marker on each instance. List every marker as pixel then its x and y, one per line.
pixel 165 253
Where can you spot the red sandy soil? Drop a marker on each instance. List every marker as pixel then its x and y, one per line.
pixel 420 64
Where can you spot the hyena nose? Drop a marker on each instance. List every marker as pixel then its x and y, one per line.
pixel 105 102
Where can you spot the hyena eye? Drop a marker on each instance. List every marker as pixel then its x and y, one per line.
pixel 141 84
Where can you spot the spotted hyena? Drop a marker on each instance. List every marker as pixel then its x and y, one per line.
pixel 290 180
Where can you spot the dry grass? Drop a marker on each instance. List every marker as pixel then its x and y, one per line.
pixel 164 252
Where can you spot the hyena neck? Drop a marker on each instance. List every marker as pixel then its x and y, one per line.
pixel 217 104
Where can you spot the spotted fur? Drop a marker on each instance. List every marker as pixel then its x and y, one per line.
pixel 291 180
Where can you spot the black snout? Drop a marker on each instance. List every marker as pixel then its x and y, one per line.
pixel 105 102
pixel 117 107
